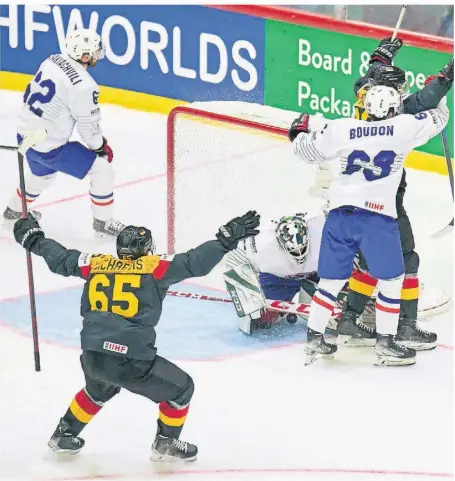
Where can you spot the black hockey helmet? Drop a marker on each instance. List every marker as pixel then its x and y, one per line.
pixel 389 76
pixel 134 242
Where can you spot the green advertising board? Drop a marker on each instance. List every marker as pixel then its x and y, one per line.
pixel 314 70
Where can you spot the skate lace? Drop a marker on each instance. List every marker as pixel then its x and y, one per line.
pixel 180 445
pixel 420 330
pixel 365 327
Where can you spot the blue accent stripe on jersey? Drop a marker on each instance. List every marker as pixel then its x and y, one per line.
pixel 33 196
pixel 387 299
pixel 328 295
pixel 102 196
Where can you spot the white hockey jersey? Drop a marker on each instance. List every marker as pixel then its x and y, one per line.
pixel 265 254
pixel 372 155
pixel 61 95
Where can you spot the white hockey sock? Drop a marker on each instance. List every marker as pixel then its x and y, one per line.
pixel 101 189
pixel 34 186
pixel 388 305
pixel 323 302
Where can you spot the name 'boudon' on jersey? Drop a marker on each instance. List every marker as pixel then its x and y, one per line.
pixel 372 131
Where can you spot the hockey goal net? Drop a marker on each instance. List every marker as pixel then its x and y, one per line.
pixel 225 158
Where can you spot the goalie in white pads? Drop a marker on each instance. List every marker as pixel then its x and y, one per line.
pixel 63 95
pixel 281 262
pixel 363 210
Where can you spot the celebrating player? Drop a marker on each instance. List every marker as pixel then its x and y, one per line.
pixel 363 210
pixel 61 95
pixel 121 305
pixel 362 285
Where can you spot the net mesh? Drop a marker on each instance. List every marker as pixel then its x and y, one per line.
pixel 221 169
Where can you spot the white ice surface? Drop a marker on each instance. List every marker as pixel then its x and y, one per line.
pixel 257 417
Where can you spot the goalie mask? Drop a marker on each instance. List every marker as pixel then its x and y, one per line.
pixel 134 242
pixel 292 235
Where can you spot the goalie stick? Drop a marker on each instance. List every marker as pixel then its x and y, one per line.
pixel 286 307
pixel 11 148
pixel 28 141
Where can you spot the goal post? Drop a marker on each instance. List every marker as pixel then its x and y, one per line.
pixel 225 158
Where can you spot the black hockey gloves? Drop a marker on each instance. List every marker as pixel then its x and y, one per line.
pixel 237 229
pixel 386 50
pixel 27 232
pixel 447 71
pixel 298 126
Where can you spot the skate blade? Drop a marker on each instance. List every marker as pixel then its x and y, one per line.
pixel 62 452
pixel 311 358
pixel 157 457
pixel 393 361
pixel 418 346
pixel 349 341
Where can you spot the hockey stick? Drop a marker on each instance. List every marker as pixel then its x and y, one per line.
pixel 448 228
pixel 400 19
pixel 8 147
pixel 287 307
pixel 27 142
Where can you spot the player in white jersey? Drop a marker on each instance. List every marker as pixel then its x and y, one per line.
pixel 63 95
pixel 285 256
pixel 363 210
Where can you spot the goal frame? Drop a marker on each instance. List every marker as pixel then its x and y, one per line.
pixel 204 115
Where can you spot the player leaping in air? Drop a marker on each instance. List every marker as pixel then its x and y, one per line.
pixel 362 210
pixel 62 95
pixel 121 306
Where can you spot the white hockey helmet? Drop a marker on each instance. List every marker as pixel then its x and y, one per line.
pixel 85 42
pixel 382 102
pixel 292 235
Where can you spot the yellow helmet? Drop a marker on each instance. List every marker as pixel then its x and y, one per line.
pixel 359 107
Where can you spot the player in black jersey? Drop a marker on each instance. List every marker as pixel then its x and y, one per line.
pixel 121 305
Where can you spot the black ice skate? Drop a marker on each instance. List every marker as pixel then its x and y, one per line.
pixel 410 335
pixel 107 228
pixel 13 216
pixel 63 441
pixel 390 353
pixel 172 450
pixel 354 333
pixel 317 348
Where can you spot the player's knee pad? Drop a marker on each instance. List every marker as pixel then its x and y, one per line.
pixel 35 184
pixel 391 288
pixel 332 286
pixel 185 396
pixel 100 393
pixel 101 175
pixel 411 262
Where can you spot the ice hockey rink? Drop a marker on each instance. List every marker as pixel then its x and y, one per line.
pixel 257 412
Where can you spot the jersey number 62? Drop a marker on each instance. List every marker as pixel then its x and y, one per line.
pixel 43 97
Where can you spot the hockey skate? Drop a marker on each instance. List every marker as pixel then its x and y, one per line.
pixel 107 228
pixel 172 450
pixel 410 335
pixel 354 333
pixel 12 215
pixel 390 353
pixel 63 441
pixel 316 347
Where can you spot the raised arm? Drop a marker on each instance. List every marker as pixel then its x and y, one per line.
pixel 62 261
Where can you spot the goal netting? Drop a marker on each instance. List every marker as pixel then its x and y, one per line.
pixel 225 158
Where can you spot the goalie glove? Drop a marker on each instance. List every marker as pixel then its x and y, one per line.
pixel 322 181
